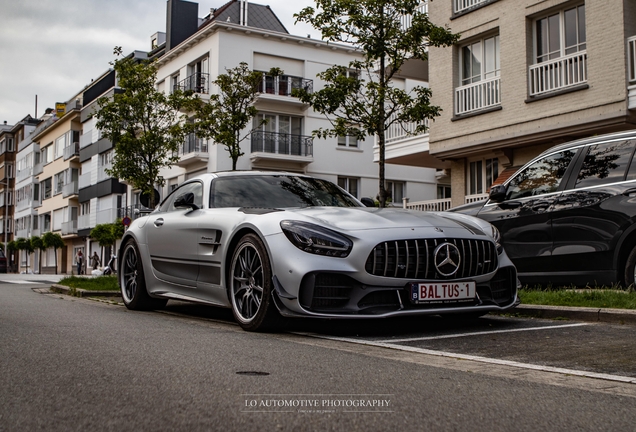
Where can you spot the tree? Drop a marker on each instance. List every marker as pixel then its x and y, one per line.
pixel 231 110
pixel 24 244
pixel 145 125
pixel 107 234
pixel 365 102
pixel 38 244
pixel 53 240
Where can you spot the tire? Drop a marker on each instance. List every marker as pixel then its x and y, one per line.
pixel 250 286
pixel 629 274
pixel 132 281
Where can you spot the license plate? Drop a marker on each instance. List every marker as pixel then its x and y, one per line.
pixel 442 292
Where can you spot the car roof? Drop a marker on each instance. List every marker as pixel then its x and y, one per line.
pixel 590 140
pixel 222 174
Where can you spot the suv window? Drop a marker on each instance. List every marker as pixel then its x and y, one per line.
pixel 541 177
pixel 605 163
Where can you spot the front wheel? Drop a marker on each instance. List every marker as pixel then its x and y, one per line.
pixel 133 283
pixel 629 275
pixel 251 286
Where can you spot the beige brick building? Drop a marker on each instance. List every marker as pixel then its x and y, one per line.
pixel 526 75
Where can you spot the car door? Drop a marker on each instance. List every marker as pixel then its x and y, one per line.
pixel 596 207
pixel 523 217
pixel 173 240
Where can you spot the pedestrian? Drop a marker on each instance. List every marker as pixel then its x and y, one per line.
pixel 95 262
pixel 79 260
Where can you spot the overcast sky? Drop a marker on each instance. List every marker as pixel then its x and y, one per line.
pixel 53 48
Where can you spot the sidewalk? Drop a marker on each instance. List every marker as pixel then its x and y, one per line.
pixel 615 316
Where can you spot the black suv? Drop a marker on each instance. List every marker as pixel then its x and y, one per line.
pixel 568 216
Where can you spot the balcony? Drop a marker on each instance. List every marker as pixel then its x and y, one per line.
pixel 430 205
pixel 631 72
pixel 131 211
pixel 71 151
pixel 24 174
pixel 38 168
pixel 475 198
pixel 464 5
pixel 193 150
pixel 558 74
pixel 23 204
pixel 408 19
pixel 272 146
pixel 70 189
pixel 86 139
pixel 84 221
pixel 106 216
pixel 69 227
pixel 281 88
pixel 478 96
pixel 84 180
pixel 197 82
pixel 35 232
pixel 23 233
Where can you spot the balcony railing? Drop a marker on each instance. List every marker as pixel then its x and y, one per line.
pixel 86 138
pixel 84 180
pixel 475 198
pixel 478 96
pixel 284 85
pixel 408 19
pixel 399 131
pixel 22 204
pixel 70 189
pixel 558 74
pixel 282 143
pixel 106 216
pixel 69 227
pixel 72 150
pixel 193 144
pixel 631 58
pixel 24 173
pixel 38 168
pixel 130 211
pixel 84 221
pixel 23 233
pixel 462 5
pixel 430 205
pixel 197 82
pixel 101 172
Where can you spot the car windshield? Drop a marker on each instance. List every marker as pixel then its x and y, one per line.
pixel 277 191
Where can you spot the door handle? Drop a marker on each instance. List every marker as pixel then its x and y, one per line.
pixel 540 206
pixel 158 222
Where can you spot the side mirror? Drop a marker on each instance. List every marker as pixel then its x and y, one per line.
pixel 368 202
pixel 186 200
pixel 497 193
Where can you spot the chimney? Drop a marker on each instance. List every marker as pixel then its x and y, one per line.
pixel 182 22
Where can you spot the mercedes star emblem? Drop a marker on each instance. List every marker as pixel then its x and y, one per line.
pixel 447 259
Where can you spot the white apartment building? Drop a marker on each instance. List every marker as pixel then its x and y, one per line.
pixel 245 32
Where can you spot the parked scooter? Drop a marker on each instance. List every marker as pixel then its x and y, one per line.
pixel 111 267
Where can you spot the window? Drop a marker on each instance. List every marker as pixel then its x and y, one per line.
pixel 175 81
pixel 552 42
pixel 480 60
pixel 395 191
pixel 481 175
pixel 36 192
pixel 280 134
pixel 85 208
pixel 198 76
pixel 60 143
pixel 443 191
pixel 46 188
pixel 46 222
pixel 542 177
pixel 348 141
pixel 58 182
pixel 195 187
pixel 350 184
pixel 605 163
pixel 46 154
pixel 9 170
pixel 10 144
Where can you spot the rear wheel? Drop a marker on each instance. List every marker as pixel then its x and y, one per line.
pixel 629 275
pixel 133 283
pixel 251 286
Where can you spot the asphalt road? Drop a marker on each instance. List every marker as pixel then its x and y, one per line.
pixel 76 364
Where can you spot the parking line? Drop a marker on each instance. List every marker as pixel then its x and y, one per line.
pixel 529 366
pixel 480 333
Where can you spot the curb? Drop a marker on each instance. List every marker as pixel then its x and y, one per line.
pixel 616 316
pixel 78 292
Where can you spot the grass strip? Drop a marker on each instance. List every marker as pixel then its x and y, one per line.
pixel 99 283
pixel 588 297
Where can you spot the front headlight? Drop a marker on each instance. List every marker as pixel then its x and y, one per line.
pixel 496 235
pixel 316 239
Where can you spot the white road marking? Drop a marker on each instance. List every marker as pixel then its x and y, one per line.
pixel 479 333
pixel 25 282
pixel 558 370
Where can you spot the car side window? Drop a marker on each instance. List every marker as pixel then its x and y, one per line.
pixel 542 177
pixel 605 163
pixel 195 187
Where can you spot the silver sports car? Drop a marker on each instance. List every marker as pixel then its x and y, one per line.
pixel 273 245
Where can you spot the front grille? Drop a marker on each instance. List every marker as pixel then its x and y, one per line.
pixel 414 259
pixel 384 298
pixel 331 291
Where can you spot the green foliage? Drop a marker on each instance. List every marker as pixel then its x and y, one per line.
pixel 52 240
pixel 231 110
pixel 37 243
pixel 145 125
pixel 12 246
pixel 107 234
pixel 360 100
pixel 24 244
pixel 588 297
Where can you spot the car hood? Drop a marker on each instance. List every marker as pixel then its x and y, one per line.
pixel 363 218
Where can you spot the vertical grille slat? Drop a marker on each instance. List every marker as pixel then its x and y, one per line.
pixel 414 259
